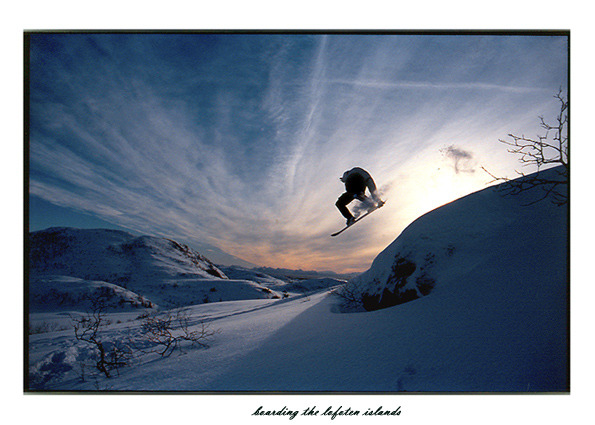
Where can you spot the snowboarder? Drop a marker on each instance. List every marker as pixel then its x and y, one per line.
pixel 356 181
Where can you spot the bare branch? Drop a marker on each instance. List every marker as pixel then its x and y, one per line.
pixel 169 330
pixel 550 148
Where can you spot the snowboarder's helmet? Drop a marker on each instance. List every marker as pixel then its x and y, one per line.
pixel 344 176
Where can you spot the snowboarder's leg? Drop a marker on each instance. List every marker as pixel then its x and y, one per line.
pixel 342 203
pixel 369 203
pixel 374 192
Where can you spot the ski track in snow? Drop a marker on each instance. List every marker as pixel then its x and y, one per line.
pixel 240 326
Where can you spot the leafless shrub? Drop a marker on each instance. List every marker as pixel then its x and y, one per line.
pixel 350 295
pixel 110 355
pixel 551 148
pixel 168 331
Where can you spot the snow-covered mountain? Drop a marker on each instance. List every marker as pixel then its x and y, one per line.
pixel 486 280
pixel 154 271
pixel 112 254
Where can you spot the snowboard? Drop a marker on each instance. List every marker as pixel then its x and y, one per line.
pixel 358 219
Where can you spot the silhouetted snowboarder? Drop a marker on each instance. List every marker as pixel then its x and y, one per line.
pixel 356 181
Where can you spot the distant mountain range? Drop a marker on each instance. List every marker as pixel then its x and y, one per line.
pixel 69 267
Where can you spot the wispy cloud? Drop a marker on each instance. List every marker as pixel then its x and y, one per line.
pixel 238 141
pixel 430 85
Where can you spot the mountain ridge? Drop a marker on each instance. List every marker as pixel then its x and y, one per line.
pixel 143 265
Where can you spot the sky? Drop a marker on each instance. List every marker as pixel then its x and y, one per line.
pixel 237 141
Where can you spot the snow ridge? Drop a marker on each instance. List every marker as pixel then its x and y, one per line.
pixel 156 272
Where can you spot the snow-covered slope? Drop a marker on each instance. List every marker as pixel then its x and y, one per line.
pixel 284 283
pixel 93 253
pixel 510 238
pixel 59 293
pixel 495 319
pixel 163 272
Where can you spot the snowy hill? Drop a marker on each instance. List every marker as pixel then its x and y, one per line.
pixel 99 250
pixel 159 271
pixel 505 237
pixel 487 284
pixel 58 293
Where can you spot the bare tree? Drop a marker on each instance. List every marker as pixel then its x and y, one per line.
pixel 550 148
pixel 168 331
pixel 351 296
pixel 111 355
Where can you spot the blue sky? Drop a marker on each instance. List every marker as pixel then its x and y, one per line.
pixel 238 140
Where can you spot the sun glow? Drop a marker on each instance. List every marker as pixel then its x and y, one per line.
pixel 442 187
pixel 434 187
